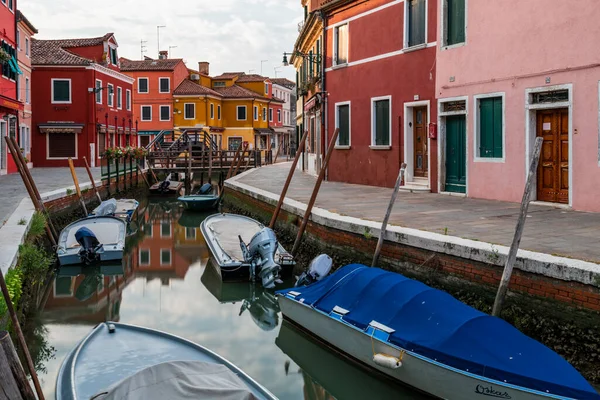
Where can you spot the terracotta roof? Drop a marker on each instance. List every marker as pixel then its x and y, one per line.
pixel 238 92
pixel 228 75
pixel 188 87
pixel 82 42
pixel 283 82
pixel 251 78
pixel 277 99
pixel 21 17
pixel 149 65
pixel 50 52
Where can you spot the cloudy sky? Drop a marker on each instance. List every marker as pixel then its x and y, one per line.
pixel 233 35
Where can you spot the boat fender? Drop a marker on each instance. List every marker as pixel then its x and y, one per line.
pixel 387 361
pixel 111 328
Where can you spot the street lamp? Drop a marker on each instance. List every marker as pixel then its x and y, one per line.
pixel 313 58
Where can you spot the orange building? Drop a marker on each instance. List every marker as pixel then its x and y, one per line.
pixel 153 88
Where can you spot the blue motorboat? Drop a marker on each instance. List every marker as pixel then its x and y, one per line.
pixel 425 338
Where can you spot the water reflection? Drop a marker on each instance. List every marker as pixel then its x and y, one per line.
pixel 167 282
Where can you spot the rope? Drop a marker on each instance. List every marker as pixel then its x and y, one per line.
pixel 399 358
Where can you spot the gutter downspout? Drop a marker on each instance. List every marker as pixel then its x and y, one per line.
pixel 324 108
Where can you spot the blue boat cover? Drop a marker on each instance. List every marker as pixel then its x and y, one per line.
pixel 435 325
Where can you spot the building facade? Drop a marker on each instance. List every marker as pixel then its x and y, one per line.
pixel 25 31
pixel 10 106
pixel 499 89
pixel 155 81
pixel 285 90
pixel 83 103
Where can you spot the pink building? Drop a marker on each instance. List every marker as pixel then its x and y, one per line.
pixel 506 73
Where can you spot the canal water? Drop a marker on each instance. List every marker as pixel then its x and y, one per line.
pixel 167 282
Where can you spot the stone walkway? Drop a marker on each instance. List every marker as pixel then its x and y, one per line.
pixel 12 189
pixel 548 230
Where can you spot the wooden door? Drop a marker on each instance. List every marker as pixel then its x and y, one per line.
pixel 144 140
pixel 456 159
pixel 553 170
pixel 420 141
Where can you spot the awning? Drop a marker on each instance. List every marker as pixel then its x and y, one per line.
pixel 148 132
pixel 217 129
pixel 12 104
pixel 312 102
pixel 263 131
pixel 15 66
pixel 61 128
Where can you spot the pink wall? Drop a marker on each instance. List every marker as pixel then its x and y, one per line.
pixel 512 46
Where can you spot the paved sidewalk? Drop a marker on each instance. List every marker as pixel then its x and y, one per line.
pixel 548 230
pixel 12 188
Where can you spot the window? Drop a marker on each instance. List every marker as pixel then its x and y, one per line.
pixel 165 229
pixel 212 111
pixel 241 113
pixel 165 256
pixel 27 91
pixel 233 143
pixel 342 121
pixel 270 115
pixel 264 113
pixel 219 84
pixel 98 91
pixel 341 44
pixel 454 20
pixel 164 85
pixel 144 257
pixel 128 99
pixel 62 145
pixel 18 84
pixel 381 121
pixel 189 111
pixel 113 56
pixel 143 85
pixel 165 113
pixel 266 88
pixel 111 95
pixel 190 233
pixel 18 39
pixel 146 113
pixel 27 47
pixel 61 91
pixel 63 286
pixel 119 98
pixel 415 28
pixel 490 127
pixel 255 113
pixel 278 115
pixel 219 113
pixel 10 5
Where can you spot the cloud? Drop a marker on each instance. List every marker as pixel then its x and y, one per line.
pixel 233 35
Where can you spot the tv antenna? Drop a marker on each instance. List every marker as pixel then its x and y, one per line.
pixel 143 47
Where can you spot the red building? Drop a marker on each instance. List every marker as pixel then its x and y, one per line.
pixel 82 102
pixel 380 84
pixel 9 104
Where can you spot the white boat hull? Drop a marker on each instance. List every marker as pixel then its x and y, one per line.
pixel 419 372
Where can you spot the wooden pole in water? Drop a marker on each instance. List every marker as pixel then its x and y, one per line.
pixel 13 377
pixel 239 163
pixel 153 174
pixel 139 169
pixel 20 337
pixel 76 182
pixel 278 150
pixel 313 198
pixel 34 194
pixel 387 215
pixel 233 162
pixel 288 180
pixel 89 172
pixel 188 188
pixel 514 247
pixel 210 162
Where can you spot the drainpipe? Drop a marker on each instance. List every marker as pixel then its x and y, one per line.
pixel 324 101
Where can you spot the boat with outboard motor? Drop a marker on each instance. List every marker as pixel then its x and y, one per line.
pixel 91 240
pixel 121 361
pixel 204 200
pixel 263 258
pixel 425 338
pixel 121 208
pixel 167 187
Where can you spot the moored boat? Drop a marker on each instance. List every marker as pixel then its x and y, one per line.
pixel 92 240
pixel 204 200
pixel 263 258
pixel 427 339
pixel 121 208
pixel 129 362
pixel 167 188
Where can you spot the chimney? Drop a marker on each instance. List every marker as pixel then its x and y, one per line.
pixel 163 55
pixel 204 67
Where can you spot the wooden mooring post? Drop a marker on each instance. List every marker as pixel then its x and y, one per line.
pixel 237 153
pixel 22 343
pixel 286 186
pixel 14 380
pixel 188 178
pixel 89 172
pixel 239 163
pixel 313 197
pixel 77 189
pixel 386 218
pixel 514 247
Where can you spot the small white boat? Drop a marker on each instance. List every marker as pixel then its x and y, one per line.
pixel 263 258
pixel 91 240
pixel 120 361
pixel 121 208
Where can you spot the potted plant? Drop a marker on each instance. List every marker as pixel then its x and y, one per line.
pixel 4 56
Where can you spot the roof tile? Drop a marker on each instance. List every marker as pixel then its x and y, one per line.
pixel 188 87
pixel 238 92
pixel 50 52
pixel 150 65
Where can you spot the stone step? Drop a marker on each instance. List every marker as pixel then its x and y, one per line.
pixel 415 189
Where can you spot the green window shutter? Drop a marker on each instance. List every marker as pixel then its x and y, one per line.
pixel 416 22
pixel 497 146
pixel 310 64
pixel 455 19
pixel 490 128
pixel 61 91
pixel 382 123
pixel 344 125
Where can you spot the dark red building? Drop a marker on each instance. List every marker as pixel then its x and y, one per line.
pixel 380 85
pixel 9 105
pixel 83 103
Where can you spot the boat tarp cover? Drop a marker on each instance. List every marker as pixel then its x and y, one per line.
pixel 435 325
pixel 180 380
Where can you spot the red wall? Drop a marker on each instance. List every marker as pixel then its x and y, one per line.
pixel 402 76
pixel 7 33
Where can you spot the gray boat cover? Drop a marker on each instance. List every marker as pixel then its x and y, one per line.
pixel 179 380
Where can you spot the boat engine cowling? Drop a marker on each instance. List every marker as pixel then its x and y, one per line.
pixel 318 269
pixel 89 246
pixel 260 252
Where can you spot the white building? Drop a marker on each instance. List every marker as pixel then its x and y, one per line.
pixel 285 90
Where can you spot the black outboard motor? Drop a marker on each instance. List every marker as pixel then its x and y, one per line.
pixel 89 246
pixel 164 186
pixel 207 188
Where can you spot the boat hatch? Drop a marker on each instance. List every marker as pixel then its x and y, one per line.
pixel 382 327
pixel 377 333
pixel 340 310
pixel 293 294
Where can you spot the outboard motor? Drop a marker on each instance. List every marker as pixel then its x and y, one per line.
pixel 90 246
pixel 207 188
pixel 164 186
pixel 261 254
pixel 318 269
pixel 263 310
